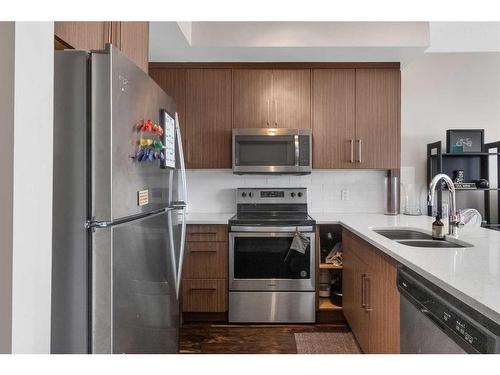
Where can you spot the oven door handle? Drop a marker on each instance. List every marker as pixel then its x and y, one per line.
pixel 257 229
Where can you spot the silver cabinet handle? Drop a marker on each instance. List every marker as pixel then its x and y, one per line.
pixel 363 303
pixel 268 105
pixel 359 150
pixel 368 288
pixel 351 142
pixel 275 113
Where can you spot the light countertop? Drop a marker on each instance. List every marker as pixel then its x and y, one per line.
pixel 470 274
pixel 208 218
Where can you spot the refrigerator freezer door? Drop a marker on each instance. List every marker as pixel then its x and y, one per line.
pixel 135 308
pixel 122 97
pixel 69 328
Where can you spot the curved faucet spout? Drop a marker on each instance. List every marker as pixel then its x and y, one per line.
pixel 454 216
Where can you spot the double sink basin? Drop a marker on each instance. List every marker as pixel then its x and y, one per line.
pixel 417 238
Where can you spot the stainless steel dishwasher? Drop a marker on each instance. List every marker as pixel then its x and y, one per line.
pixel 434 322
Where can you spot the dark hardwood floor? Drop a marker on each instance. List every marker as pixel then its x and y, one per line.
pixel 210 338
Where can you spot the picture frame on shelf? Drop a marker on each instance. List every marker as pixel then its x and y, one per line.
pixel 464 140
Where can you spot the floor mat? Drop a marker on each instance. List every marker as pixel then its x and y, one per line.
pixel 326 343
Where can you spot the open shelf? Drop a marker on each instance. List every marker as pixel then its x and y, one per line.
pixel 328 266
pixel 326 304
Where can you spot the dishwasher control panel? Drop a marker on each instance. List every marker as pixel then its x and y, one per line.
pixel 469 333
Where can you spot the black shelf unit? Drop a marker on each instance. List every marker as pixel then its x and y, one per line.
pixel 476 165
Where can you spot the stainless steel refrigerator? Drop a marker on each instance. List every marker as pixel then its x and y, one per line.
pixel 118 214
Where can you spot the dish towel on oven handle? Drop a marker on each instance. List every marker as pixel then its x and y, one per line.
pixel 299 243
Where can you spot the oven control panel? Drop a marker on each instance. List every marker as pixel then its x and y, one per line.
pixel 271 195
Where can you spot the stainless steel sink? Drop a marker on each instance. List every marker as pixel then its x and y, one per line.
pixel 403 234
pixel 418 238
pixel 432 243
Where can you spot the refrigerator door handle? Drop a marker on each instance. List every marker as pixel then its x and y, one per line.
pixel 172 251
pixel 181 252
pixel 181 158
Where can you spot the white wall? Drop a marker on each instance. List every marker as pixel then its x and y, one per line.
pixel 214 190
pixel 30 138
pixel 6 180
pixel 441 91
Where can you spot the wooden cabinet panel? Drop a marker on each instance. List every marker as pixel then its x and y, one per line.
pixel 291 102
pixel 378 133
pixel 208 118
pixel 204 295
pixel 173 82
pixel 205 260
pixel 83 35
pixel 370 295
pixel 252 96
pixel 132 38
pixel 353 293
pixel 134 42
pixel 383 300
pixel 334 105
pixel 205 232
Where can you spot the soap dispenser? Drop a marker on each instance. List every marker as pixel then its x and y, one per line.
pixel 438 228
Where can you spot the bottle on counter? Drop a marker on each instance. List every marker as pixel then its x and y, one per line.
pixel 438 228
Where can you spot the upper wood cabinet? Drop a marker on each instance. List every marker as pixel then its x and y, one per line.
pixel 252 95
pixel 334 118
pixel 173 82
pixel 271 98
pixel 208 118
pixel 356 118
pixel 353 109
pixel 292 98
pixel 370 296
pixel 378 131
pixel 83 35
pixel 134 42
pixel 132 38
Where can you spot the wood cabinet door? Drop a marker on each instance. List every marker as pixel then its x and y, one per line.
pixel 382 297
pixel 208 118
pixel 291 99
pixel 252 97
pixel 173 82
pixel 354 274
pixel 378 133
pixel 334 114
pixel 204 295
pixel 83 35
pixel 134 42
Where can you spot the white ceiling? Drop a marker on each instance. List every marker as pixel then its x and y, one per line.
pixel 316 41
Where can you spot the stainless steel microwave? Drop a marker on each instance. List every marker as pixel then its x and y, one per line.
pixel 272 150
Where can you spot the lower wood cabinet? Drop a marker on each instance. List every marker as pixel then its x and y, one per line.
pixel 205 270
pixel 370 295
pixel 204 295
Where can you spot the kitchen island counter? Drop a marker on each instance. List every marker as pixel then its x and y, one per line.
pixel 470 274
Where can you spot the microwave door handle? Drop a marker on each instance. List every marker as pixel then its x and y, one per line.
pixel 297 151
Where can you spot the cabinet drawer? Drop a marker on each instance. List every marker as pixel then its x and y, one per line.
pixel 204 295
pixel 203 233
pixel 205 260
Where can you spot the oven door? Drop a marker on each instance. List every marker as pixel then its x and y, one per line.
pixel 264 262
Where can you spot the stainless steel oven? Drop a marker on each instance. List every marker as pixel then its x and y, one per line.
pixel 268 281
pixel 274 150
pixel 262 261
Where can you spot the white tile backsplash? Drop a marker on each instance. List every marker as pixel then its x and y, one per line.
pixel 214 190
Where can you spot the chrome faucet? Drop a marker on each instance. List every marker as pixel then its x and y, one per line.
pixel 454 220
